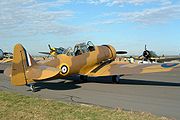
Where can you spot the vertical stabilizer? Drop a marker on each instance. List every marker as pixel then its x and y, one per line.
pixel 21 62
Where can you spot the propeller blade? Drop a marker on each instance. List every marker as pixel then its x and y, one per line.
pixel 49 47
pixel 121 52
pixel 46 53
pixel 145 47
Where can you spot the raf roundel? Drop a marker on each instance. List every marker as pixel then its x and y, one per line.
pixel 64 69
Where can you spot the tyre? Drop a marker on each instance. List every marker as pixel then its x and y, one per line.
pixel 83 78
pixel 116 79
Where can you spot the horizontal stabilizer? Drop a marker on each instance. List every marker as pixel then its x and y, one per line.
pixel 41 72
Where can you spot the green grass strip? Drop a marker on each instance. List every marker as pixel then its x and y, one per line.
pixel 19 107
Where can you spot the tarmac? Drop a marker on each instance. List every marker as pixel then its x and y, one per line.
pixel 157 93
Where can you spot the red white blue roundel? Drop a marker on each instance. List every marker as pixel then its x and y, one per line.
pixel 64 69
pixel 169 65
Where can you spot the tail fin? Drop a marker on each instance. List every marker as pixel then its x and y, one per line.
pixel 21 62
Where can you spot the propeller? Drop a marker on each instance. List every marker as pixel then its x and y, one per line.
pixel 54 51
pixel 50 47
pixel 146 54
pixel 50 52
pixel 145 48
pixel 121 52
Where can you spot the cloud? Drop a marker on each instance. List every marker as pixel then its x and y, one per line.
pixel 31 17
pixel 154 15
pixel 122 2
pixel 162 14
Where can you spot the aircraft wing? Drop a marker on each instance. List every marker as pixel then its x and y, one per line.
pixel 5 60
pixel 118 68
pixel 167 59
pixel 46 53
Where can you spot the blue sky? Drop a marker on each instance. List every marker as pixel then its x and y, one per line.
pixel 125 24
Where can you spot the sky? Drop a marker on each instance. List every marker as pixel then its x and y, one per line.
pixel 125 24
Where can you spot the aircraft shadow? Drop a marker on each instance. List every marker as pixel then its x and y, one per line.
pixel 147 82
pixel 74 81
pixel 108 80
pixel 56 85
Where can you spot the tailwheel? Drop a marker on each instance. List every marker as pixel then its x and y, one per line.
pixel 32 88
pixel 116 79
pixel 83 78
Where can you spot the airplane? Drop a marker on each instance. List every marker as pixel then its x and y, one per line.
pixel 69 51
pixel 151 56
pixel 5 56
pixel 53 51
pixel 148 55
pixel 86 61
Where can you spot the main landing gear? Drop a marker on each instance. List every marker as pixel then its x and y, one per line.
pixel 32 87
pixel 116 79
pixel 83 78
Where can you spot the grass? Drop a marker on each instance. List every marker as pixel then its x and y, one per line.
pixel 19 107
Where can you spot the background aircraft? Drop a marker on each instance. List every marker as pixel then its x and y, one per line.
pixel 53 51
pixel 5 56
pixel 91 61
pixel 151 56
pixel 148 55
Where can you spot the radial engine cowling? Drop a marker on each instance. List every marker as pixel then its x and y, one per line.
pixel 109 52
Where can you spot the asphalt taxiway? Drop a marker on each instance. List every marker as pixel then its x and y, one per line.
pixel 157 93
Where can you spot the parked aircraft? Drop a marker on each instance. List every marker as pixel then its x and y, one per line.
pixel 151 56
pixel 86 60
pixel 54 51
pixel 5 56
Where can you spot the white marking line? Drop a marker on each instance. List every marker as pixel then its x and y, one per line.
pixel 28 59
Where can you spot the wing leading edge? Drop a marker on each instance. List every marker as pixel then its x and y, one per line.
pixel 118 68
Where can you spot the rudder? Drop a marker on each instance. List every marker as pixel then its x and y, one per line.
pixel 21 61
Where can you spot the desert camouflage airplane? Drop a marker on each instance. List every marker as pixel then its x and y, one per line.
pixel 86 61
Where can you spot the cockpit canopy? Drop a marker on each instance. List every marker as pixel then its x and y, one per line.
pixel 60 50
pixel 80 49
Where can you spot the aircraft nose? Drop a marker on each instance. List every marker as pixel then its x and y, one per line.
pixel 112 51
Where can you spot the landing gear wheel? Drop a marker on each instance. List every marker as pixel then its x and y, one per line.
pixel 83 78
pixel 32 88
pixel 116 79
